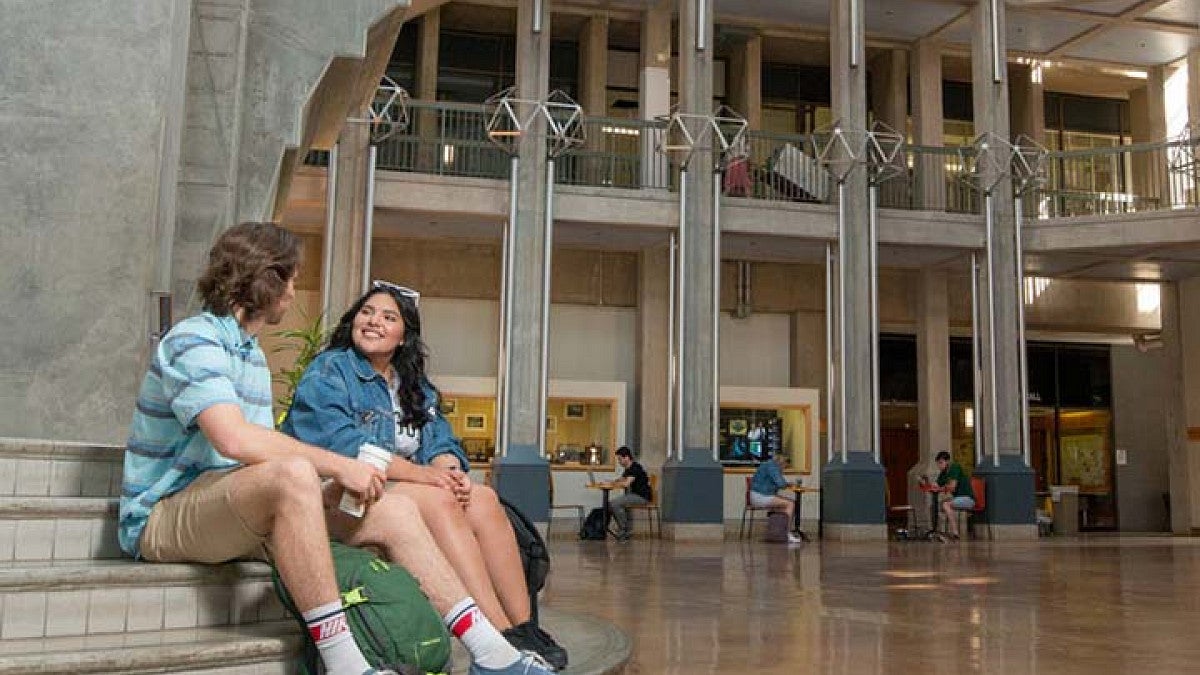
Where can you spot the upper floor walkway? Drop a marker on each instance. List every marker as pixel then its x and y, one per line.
pixel 1121 199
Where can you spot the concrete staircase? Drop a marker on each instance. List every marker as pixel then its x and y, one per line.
pixel 70 602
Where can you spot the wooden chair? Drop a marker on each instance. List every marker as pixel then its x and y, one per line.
pixel 964 517
pixel 578 508
pixel 748 508
pixel 653 515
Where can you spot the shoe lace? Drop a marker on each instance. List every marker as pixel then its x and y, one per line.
pixel 529 659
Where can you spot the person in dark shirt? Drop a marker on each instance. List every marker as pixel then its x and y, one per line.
pixel 956 487
pixel 637 491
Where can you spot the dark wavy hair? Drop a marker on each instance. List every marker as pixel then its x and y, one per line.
pixel 249 266
pixel 408 360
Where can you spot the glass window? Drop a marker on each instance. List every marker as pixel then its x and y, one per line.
pixel 580 432
pixel 752 435
pixel 898 368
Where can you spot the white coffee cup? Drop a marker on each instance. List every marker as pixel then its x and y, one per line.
pixel 376 457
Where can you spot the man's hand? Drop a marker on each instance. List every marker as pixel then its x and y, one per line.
pixel 360 478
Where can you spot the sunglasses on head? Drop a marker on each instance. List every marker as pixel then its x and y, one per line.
pixel 404 291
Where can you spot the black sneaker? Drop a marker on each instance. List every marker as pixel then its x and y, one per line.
pixel 529 637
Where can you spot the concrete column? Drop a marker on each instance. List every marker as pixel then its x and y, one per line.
pixel 1010 506
pixel 854 489
pixel 889 88
pixel 889 92
pixel 427 72
pixel 1193 66
pixel 593 86
pixel 933 380
pixel 653 355
pixel 925 76
pixel 693 484
pixel 523 475
pixel 654 86
pixel 1178 307
pixel 745 85
pixel 593 66
pixel 1028 101
pixel 349 220
pixel 1148 124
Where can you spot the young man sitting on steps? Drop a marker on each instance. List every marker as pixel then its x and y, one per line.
pixel 207 478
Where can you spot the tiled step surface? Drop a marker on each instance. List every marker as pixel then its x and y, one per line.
pixel 58 528
pixel 33 468
pixel 268 648
pixel 105 597
pixel 262 649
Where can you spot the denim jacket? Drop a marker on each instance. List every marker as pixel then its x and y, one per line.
pixel 341 403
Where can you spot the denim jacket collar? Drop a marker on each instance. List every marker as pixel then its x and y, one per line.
pixel 362 367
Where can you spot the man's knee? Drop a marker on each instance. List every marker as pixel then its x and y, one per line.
pixel 292 476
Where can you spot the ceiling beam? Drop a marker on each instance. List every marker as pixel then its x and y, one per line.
pixel 1125 17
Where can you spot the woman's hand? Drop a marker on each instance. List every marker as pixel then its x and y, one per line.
pixel 440 477
pixel 463 489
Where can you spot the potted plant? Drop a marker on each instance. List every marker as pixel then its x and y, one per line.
pixel 306 342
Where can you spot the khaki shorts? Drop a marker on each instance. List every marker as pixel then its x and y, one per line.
pixel 200 524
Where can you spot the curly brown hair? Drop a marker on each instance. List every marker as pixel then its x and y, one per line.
pixel 249 266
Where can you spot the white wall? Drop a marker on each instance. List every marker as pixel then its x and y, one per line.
pixel 586 343
pixel 755 350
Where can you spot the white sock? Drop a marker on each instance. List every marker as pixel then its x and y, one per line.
pixel 328 628
pixel 487 646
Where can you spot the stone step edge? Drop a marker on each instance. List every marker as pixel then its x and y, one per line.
pixel 128 574
pixel 35 448
pixel 49 508
pixel 187 657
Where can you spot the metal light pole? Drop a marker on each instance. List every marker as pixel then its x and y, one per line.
pixel 559 120
pixel 841 151
pixel 686 133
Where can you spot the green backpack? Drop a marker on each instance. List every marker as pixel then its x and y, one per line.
pixel 391 619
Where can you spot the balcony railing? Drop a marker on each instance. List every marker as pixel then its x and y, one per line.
pixel 449 139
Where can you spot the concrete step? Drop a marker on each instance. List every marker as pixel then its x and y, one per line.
pixel 37 468
pixel 268 648
pixel 58 528
pixel 74 599
pixel 262 649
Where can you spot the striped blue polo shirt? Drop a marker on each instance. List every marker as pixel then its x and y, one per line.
pixel 202 361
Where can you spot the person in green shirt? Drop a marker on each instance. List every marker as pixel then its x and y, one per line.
pixel 954 483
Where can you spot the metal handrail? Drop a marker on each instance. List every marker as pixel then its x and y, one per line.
pixel 446 138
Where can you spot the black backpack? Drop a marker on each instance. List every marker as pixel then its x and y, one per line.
pixel 535 558
pixel 593 525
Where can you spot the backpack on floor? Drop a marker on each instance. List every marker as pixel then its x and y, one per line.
pixel 391 619
pixel 777 527
pixel 593 525
pixel 535 557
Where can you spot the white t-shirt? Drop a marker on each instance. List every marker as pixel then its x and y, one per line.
pixel 408 438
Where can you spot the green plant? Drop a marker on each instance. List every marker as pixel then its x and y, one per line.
pixel 307 342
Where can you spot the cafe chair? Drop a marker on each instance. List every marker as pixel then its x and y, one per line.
pixel 577 508
pixel 653 516
pixel 965 517
pixel 748 509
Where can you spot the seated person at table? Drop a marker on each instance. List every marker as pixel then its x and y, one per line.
pixel 954 483
pixel 637 491
pixel 768 480
pixel 369 386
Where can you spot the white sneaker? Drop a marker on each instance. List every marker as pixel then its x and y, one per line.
pixel 795 538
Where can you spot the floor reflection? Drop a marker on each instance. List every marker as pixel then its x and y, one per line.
pixel 1089 605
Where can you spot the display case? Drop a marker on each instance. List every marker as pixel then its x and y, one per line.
pixel 585 421
pixel 758 423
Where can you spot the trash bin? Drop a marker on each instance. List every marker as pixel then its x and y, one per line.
pixel 1066 508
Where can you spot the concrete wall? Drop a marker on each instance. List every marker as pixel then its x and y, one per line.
pixel 135 132
pixel 91 105
pixel 1139 385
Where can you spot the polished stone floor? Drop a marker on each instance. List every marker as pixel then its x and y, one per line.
pixel 1098 604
